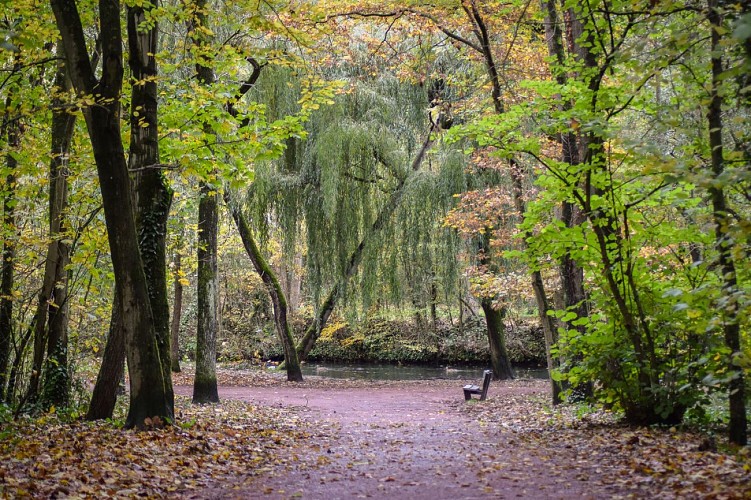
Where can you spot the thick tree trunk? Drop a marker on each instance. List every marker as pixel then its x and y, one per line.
pixel 149 397
pixel 204 384
pixel 152 196
pixel 111 371
pixel 177 310
pixel 494 320
pixel 738 428
pixel 291 361
pixel 496 339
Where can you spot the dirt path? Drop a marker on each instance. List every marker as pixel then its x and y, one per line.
pixel 406 442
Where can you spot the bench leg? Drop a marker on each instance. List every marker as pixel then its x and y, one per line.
pixel 467 395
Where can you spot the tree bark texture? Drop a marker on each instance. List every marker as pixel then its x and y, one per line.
pixel 12 133
pixel 149 396
pixel 152 195
pixel 572 275
pixel 177 309
pixel 738 427
pixel 52 311
pixel 205 384
pixel 496 339
pixel 291 361
pixel 111 371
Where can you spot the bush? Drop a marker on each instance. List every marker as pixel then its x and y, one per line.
pixel 379 340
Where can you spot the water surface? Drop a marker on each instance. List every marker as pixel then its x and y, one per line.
pixel 408 372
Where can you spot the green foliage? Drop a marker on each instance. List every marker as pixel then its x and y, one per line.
pixel 652 340
pixel 399 341
pixel 329 189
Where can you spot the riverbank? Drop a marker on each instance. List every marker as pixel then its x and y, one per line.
pixel 390 341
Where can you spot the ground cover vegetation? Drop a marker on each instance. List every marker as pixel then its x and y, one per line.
pixel 304 174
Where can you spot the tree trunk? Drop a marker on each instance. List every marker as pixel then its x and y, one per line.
pixel 291 361
pixel 433 303
pixel 384 216
pixel 496 339
pixel 152 196
pixel 494 319
pixel 571 274
pixel 52 312
pixel 177 309
pixel 149 397
pixel 104 396
pixel 204 384
pixel 549 331
pixel 17 366
pixel 737 429
pixel 10 130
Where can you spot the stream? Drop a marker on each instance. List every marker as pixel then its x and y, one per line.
pixel 383 371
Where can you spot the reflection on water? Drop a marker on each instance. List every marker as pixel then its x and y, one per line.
pixel 408 372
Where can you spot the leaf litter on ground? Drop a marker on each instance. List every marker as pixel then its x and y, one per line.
pixel 45 457
pixel 640 462
pixel 234 443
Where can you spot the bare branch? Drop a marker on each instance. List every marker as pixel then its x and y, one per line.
pixel 155 166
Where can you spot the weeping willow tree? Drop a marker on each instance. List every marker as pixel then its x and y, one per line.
pixel 365 191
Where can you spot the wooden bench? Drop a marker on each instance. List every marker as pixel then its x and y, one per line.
pixel 482 391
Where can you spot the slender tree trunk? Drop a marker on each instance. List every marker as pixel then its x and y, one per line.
pixel 17 366
pixel 152 196
pixel 11 131
pixel 433 303
pixel 205 384
pixel 549 327
pixel 313 331
pixel 177 309
pixel 549 331
pixel 52 312
pixel 737 430
pixel 149 397
pixel 571 274
pixel 291 361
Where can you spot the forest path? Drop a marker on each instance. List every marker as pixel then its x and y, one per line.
pixel 411 441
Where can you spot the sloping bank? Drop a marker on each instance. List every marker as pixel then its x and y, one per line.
pixel 388 341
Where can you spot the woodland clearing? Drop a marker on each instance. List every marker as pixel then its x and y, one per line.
pixel 357 439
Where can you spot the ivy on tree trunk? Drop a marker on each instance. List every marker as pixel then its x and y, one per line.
pixel 149 392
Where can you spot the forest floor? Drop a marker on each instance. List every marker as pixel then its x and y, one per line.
pixel 421 440
pixel 356 439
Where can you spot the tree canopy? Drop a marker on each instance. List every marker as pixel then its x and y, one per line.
pixel 586 161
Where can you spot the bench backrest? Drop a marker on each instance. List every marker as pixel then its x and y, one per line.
pixel 487 375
